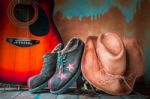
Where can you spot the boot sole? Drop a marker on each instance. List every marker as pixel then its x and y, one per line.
pixel 67 85
pixel 39 87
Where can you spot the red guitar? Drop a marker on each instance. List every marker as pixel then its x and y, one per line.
pixel 26 33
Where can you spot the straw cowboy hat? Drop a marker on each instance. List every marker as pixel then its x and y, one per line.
pixel 112 64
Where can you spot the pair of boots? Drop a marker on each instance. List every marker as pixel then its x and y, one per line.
pixel 60 69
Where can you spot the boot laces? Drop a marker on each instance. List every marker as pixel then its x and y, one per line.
pixel 61 61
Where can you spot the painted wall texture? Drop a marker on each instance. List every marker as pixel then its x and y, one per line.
pixel 128 18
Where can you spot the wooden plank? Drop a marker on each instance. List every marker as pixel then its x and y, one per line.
pixel 25 95
pixel 46 96
pixel 133 97
pixel 9 94
pixel 87 97
pixel 65 96
pixel 109 97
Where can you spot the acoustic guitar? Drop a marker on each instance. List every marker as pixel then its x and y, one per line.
pixel 27 32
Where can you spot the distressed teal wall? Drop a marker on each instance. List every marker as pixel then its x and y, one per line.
pixel 83 8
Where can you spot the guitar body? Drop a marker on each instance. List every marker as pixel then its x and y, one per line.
pixel 26 34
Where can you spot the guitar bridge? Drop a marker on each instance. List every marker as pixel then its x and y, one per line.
pixel 22 42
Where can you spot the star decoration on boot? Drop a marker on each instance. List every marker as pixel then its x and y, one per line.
pixel 70 67
pixel 63 76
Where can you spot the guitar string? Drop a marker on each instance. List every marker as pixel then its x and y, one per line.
pixel 28 17
pixel 17 34
pixel 29 35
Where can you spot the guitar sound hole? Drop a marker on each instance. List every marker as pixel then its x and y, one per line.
pixel 24 12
